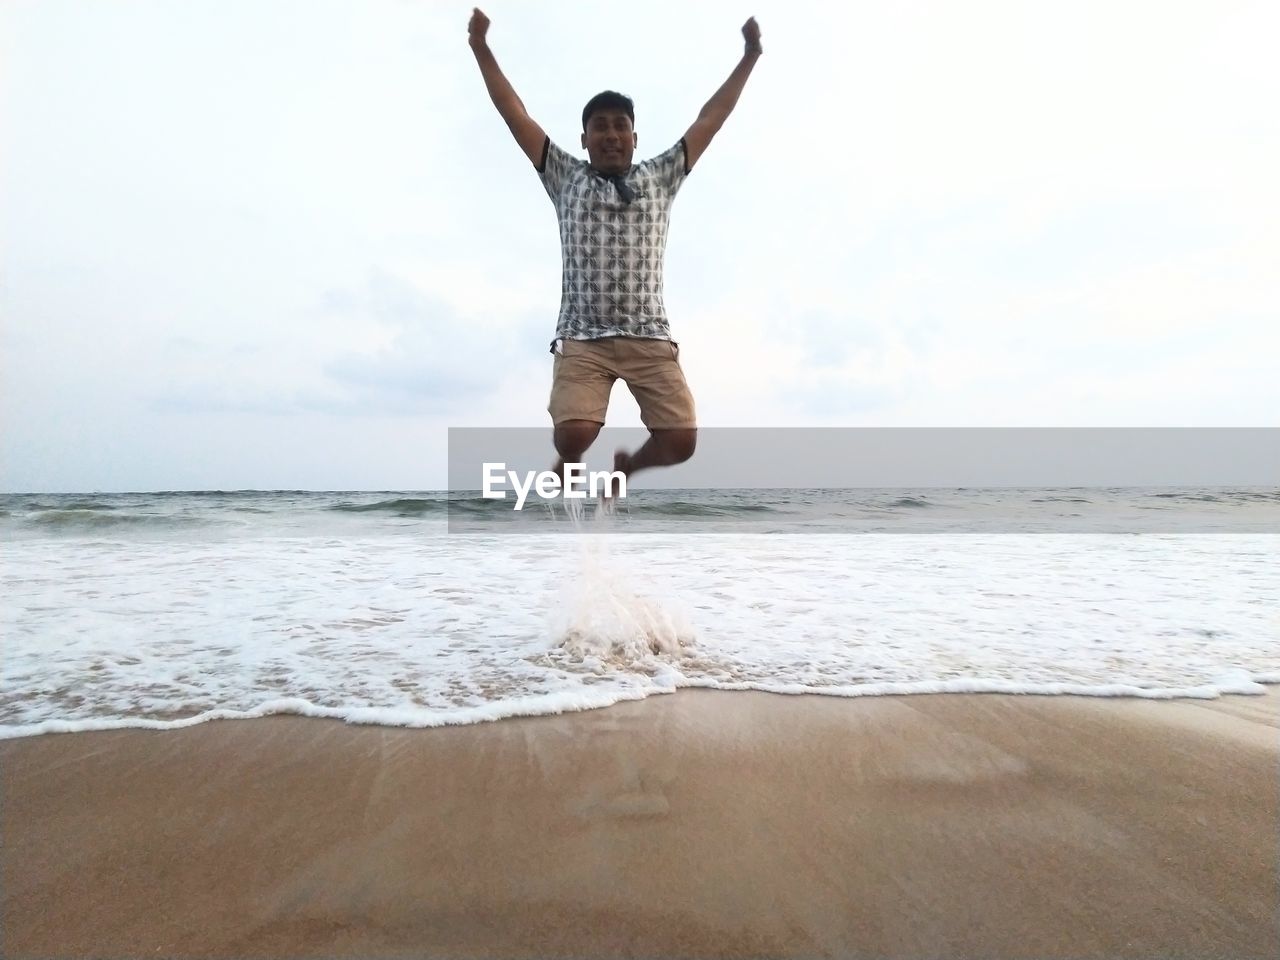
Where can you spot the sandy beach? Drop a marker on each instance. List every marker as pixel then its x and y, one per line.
pixel 700 824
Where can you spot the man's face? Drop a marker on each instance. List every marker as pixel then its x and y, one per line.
pixel 609 140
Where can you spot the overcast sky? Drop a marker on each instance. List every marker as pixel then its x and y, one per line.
pixel 268 244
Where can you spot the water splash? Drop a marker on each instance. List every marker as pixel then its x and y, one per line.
pixel 609 612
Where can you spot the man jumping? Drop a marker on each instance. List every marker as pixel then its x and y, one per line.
pixel 613 232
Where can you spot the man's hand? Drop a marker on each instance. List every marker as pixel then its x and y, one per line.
pixel 716 110
pixel 478 28
pixel 528 134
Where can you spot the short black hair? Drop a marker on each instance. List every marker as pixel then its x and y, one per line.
pixel 608 100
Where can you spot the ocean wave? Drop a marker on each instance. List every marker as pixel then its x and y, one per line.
pixel 502 508
pixel 686 508
pixel 1219 496
pixel 910 502
pixel 227 494
pixel 403 507
pixel 1272 496
pixel 83 519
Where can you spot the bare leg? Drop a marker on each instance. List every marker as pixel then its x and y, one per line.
pixel 572 438
pixel 664 448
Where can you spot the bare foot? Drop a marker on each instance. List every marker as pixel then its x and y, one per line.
pixel 621 464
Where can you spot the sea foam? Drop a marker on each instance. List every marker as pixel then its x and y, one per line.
pixel 396 621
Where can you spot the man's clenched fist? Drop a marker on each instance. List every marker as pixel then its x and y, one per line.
pixel 478 27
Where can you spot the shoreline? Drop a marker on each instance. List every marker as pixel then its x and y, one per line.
pixel 1268 686
pixel 698 823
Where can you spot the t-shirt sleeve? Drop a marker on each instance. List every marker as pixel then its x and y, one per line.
pixel 670 167
pixel 554 168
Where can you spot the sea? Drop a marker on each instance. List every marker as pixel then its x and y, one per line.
pixel 421 609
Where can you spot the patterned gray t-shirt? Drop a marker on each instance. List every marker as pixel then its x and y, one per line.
pixel 612 250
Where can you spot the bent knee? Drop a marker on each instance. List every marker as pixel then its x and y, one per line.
pixel 680 444
pixel 573 437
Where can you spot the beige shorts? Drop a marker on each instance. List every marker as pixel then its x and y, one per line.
pixel 585 371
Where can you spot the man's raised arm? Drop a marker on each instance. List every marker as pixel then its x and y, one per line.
pixel 716 110
pixel 528 134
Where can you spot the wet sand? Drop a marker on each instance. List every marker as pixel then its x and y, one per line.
pixel 700 824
